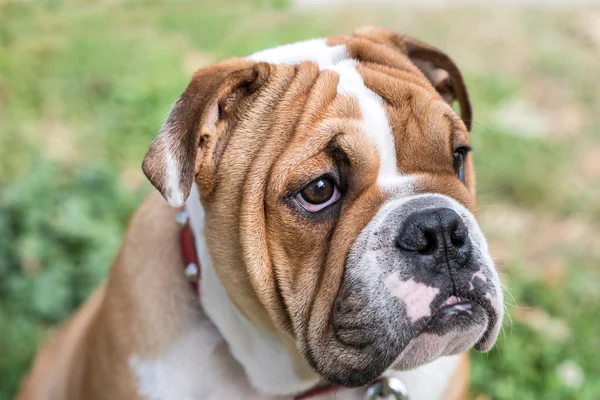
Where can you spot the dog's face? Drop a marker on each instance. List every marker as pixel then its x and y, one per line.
pixel 338 187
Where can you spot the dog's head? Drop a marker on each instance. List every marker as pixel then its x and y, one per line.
pixel 338 187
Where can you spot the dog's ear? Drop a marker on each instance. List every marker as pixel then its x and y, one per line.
pixel 443 74
pixel 190 140
pixel 441 71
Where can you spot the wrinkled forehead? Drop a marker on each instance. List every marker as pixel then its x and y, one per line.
pixel 411 127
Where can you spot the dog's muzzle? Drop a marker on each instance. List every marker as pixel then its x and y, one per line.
pixel 419 284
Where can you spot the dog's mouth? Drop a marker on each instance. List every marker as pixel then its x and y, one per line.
pixel 455 327
pixel 454 313
pixel 453 309
pixel 454 306
pixel 360 352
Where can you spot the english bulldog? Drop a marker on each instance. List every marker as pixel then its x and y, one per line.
pixel 330 192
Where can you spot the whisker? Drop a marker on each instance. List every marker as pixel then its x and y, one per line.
pixel 503 334
pixel 512 325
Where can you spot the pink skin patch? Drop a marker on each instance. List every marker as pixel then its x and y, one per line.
pixel 479 274
pixel 417 297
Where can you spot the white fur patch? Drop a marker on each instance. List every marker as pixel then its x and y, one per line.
pixel 416 296
pixel 263 355
pixel 315 50
pixel 375 120
pixel 181 373
pixel 175 198
pixel 430 380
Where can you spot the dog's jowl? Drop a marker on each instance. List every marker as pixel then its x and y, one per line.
pixel 329 191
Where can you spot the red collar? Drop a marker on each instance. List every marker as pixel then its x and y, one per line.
pixel 188 250
pixel 192 272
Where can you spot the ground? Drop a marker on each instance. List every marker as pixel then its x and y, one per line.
pixel 84 87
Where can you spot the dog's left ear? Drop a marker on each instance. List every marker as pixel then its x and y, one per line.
pixel 191 139
pixel 441 71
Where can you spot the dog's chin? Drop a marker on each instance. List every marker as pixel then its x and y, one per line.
pixel 452 330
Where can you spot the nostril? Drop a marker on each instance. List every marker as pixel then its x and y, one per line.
pixel 458 242
pixel 420 241
pixel 431 231
pixel 429 244
pixel 459 234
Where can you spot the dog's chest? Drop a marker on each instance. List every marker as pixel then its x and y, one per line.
pixel 199 366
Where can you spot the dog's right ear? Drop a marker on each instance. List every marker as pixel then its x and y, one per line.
pixel 188 142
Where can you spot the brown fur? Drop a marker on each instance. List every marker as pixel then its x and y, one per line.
pixel 87 358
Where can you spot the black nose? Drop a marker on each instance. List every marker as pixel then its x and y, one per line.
pixel 437 232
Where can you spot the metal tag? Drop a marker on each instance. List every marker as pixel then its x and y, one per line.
pixel 387 387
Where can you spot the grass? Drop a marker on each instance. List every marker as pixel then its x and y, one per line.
pixel 84 86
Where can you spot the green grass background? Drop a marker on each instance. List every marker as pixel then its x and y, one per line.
pixel 85 85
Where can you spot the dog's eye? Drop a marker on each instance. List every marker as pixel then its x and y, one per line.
pixel 459 162
pixel 318 194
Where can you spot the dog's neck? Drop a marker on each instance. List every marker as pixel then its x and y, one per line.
pixel 266 359
pixel 269 364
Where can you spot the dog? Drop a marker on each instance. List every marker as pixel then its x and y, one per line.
pixel 329 190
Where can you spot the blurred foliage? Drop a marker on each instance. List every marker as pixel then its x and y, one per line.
pixel 85 85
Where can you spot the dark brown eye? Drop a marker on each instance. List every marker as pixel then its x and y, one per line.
pixel 459 162
pixel 318 194
pixel 318 191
